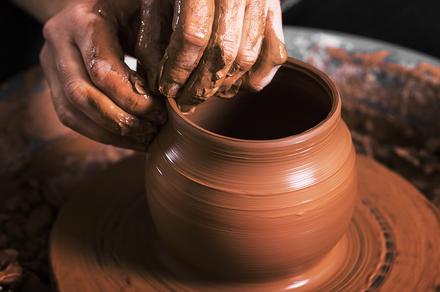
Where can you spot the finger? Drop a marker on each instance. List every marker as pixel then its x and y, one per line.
pixel 153 36
pixel 218 56
pixel 192 29
pixel 103 58
pixel 250 46
pixel 74 119
pixel 81 94
pixel 80 123
pixel 273 52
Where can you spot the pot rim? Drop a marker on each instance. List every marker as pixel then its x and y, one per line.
pixel 322 127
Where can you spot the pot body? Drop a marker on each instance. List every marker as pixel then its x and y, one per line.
pixel 251 209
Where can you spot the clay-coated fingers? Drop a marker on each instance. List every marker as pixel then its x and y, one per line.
pixel 218 56
pixel 86 98
pixel 73 118
pixel 192 31
pixel 80 123
pixel 273 52
pixel 250 46
pixel 103 58
pixel 153 37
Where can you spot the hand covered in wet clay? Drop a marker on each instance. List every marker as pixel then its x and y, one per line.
pixel 214 46
pixel 93 91
pixel 196 48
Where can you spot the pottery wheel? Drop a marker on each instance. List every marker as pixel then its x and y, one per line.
pixel 104 240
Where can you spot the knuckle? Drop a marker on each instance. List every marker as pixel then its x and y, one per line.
pixel 179 71
pixel 76 92
pixel 100 71
pixel 49 29
pixel 62 68
pixel 228 54
pixel 83 17
pixel 193 37
pixel 80 8
pixel 246 59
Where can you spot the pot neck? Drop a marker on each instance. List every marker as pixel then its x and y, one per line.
pixel 191 135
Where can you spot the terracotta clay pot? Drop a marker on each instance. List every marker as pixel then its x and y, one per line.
pixel 261 185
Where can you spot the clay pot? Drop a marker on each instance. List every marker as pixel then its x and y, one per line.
pixel 261 185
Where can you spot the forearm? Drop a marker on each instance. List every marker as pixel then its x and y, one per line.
pixel 41 9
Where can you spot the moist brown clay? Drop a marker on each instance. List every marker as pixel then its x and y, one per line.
pixel 276 112
pixel 215 63
pixel 285 168
pixel 113 245
pixel 218 72
pixel 273 55
pixel 204 218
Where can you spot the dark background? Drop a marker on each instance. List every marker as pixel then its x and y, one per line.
pixel 413 24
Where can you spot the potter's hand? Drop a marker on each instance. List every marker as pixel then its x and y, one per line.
pixel 215 45
pixel 93 91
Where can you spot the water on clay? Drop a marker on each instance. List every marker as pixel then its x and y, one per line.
pixel 282 109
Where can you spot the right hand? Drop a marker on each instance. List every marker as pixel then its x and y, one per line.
pixel 93 91
pixel 194 49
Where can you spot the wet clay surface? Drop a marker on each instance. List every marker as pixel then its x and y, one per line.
pixel 213 197
pixel 224 41
pixel 39 158
pixel 113 245
pixel 208 217
pixel 250 115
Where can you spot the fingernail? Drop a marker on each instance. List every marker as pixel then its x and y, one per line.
pixel 169 89
pixel 139 87
pixel 100 66
pixel 137 83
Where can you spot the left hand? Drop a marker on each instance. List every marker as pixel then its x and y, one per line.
pixel 93 91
